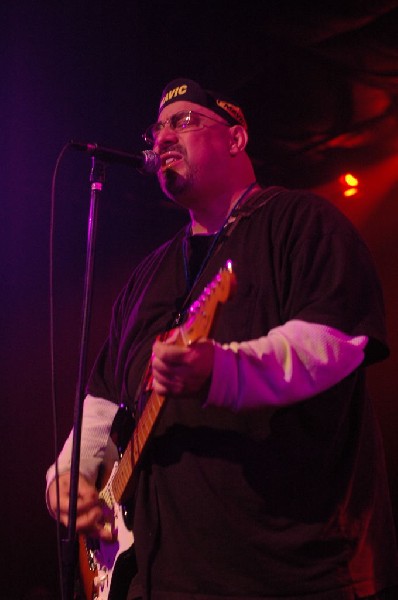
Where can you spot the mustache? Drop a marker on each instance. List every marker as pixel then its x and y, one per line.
pixel 174 148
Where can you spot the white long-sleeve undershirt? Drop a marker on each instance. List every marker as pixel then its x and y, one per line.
pixel 98 416
pixel 293 362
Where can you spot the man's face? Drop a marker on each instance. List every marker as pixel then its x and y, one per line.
pixel 193 158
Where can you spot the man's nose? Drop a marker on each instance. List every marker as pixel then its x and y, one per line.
pixel 165 137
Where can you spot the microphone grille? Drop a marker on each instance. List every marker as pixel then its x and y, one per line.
pixel 151 161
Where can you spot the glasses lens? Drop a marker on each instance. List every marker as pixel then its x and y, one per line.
pixel 180 120
pixel 151 133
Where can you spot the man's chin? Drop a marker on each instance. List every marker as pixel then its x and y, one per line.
pixel 173 183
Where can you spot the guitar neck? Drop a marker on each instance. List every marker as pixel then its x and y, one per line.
pixel 122 484
pixel 198 324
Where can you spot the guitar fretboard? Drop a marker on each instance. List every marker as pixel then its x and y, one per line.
pixel 136 445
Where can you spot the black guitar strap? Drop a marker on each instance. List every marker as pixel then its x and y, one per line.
pixel 255 202
pixel 243 211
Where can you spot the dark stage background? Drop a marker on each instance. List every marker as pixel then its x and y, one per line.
pixel 320 84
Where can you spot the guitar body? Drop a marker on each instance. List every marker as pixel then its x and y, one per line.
pixel 99 561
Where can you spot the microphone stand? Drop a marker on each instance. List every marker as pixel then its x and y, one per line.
pixel 97 179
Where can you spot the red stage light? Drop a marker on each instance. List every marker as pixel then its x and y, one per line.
pixel 349 184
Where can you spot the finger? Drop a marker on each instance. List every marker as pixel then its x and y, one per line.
pixel 87 498
pixel 90 521
pixel 62 500
pixel 168 386
pixel 106 532
pixel 170 355
pixel 99 528
pixel 172 336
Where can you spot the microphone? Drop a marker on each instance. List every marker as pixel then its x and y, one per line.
pixel 146 161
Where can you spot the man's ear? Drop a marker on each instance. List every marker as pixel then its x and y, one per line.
pixel 238 139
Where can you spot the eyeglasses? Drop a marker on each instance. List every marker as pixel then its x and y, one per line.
pixel 184 120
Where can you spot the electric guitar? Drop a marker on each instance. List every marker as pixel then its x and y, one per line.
pixel 99 560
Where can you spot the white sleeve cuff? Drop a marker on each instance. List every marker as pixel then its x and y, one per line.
pixel 292 363
pixel 98 416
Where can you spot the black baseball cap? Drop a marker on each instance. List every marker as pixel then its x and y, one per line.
pixel 191 91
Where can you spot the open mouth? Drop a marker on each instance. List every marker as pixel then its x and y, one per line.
pixel 169 159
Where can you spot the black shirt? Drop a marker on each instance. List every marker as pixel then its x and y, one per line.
pixel 291 503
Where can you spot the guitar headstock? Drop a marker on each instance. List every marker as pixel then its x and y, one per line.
pixel 201 313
